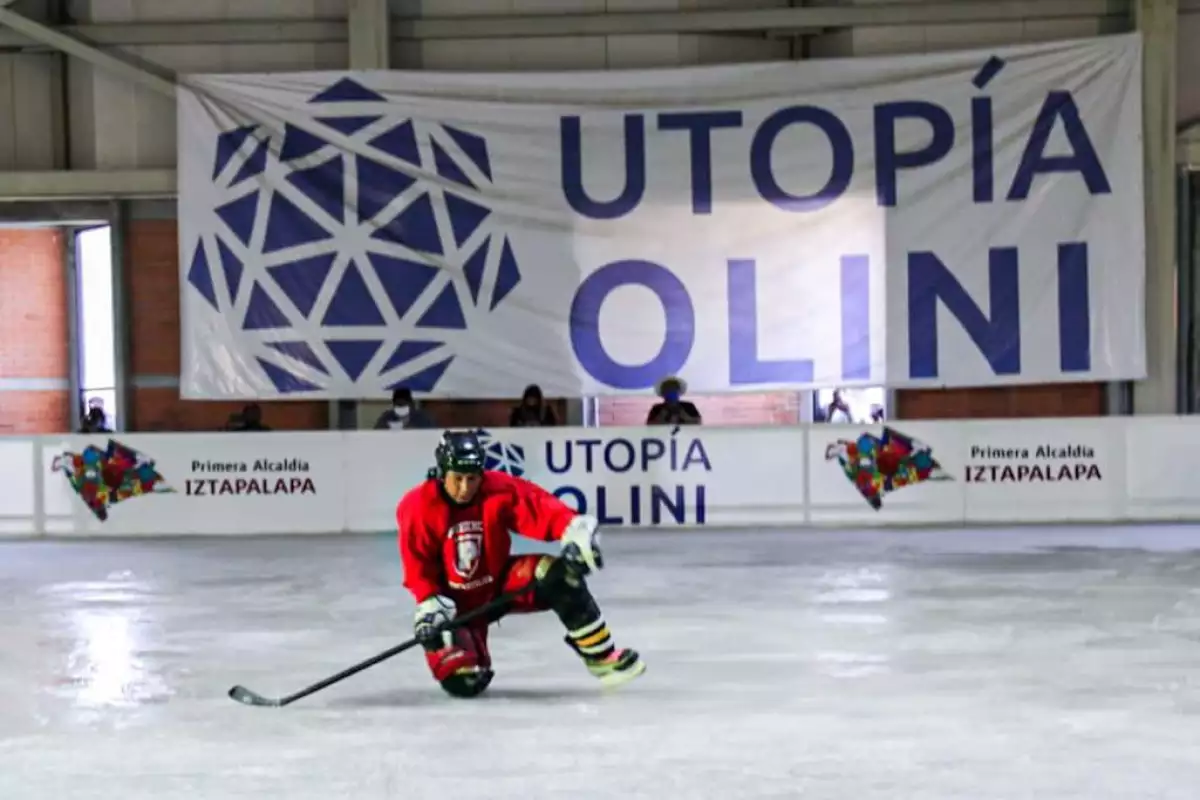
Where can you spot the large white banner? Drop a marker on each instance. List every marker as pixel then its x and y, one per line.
pixel 963 219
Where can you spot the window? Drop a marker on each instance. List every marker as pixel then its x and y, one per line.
pixel 97 332
pixel 862 402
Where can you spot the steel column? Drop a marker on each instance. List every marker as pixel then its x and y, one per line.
pixel 368 27
pixel 122 374
pixel 1157 20
pixel 370 34
pixel 74 351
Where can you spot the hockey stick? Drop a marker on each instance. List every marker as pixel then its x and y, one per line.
pixel 247 697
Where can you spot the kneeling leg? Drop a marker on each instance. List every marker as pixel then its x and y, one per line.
pixel 463 668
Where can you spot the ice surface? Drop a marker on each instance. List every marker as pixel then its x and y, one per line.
pixel 1057 664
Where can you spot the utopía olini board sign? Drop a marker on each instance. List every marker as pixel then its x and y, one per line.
pixel 651 477
pixel 643 477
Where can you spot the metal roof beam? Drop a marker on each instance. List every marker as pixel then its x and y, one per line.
pixel 767 20
pixel 747 21
pixel 72 45
pixel 87 184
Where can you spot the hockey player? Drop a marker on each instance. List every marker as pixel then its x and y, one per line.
pixel 455 546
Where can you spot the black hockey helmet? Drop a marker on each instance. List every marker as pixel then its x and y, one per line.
pixel 459 451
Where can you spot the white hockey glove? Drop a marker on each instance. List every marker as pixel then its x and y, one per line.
pixel 581 543
pixel 431 613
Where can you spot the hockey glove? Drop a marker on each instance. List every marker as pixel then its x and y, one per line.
pixel 581 544
pixel 432 613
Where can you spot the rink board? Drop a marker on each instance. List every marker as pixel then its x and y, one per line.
pixel 907 473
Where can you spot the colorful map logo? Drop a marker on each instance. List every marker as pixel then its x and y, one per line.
pixel 877 465
pixel 104 477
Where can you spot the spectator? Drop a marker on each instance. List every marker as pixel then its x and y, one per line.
pixel 533 411
pixel 673 410
pixel 403 414
pixel 94 420
pixel 838 409
pixel 249 420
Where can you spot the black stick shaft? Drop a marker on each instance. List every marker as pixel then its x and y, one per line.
pixel 453 624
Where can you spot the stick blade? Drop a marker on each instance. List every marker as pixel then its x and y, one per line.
pixel 246 697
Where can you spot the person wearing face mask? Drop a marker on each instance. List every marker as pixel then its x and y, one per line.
pixel 533 411
pixel 403 414
pixel 673 410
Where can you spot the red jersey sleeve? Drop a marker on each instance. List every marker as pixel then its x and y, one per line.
pixel 537 513
pixel 419 551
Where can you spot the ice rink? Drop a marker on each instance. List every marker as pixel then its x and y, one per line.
pixel 1056 664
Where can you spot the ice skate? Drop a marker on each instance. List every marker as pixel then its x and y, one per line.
pixel 617 668
pixel 612 666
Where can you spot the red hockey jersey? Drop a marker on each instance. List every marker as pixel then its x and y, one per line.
pixel 461 552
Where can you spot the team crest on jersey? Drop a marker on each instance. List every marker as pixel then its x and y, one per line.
pixel 468 548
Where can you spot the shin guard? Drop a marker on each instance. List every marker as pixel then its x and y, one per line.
pixel 564 590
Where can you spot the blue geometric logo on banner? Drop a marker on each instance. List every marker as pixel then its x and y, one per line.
pixel 200 276
pixel 261 312
pixel 501 456
pixel 302 352
pixel 254 165
pixel 354 245
pixel 298 143
pixel 228 145
pixel 352 304
pixel 233 270
pixel 239 215
pixel 348 125
pixel 407 351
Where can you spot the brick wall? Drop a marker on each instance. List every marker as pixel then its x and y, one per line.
pixel 783 408
pixel 752 409
pixel 481 413
pixel 33 330
pixel 163 410
pixel 152 272
pixel 772 408
pixel 34 412
pixel 1001 402
pixel 780 408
